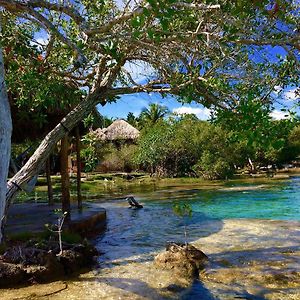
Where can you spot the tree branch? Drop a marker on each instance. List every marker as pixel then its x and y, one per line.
pixel 140 10
pixel 16 6
pixel 294 42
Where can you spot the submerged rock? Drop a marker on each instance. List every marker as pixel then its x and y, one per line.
pixel 184 260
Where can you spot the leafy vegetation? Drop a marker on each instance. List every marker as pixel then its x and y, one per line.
pixel 176 146
pixel 184 211
pixel 216 53
pixel 186 147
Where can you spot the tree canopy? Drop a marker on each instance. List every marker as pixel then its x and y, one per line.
pixel 194 53
pixel 218 53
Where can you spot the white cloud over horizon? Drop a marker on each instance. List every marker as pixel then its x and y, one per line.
pixel 291 94
pixel 201 113
pixel 288 94
pixel 279 115
pixel 139 70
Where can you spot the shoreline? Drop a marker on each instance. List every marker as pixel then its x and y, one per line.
pixel 245 256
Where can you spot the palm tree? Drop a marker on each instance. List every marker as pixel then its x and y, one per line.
pixel 132 120
pixel 153 113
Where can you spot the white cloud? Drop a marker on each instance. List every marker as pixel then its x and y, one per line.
pixel 139 70
pixel 277 89
pixel 279 115
pixel 201 113
pixel 43 40
pixel 40 41
pixel 291 94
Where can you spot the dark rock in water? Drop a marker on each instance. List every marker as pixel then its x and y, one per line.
pixel 184 260
pixel 27 264
pixel 11 274
pixel 70 260
pixel 133 203
pixel 24 255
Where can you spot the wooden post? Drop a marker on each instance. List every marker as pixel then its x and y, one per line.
pixel 49 182
pixel 78 163
pixel 65 180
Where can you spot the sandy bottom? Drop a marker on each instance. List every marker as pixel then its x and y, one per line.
pixel 249 259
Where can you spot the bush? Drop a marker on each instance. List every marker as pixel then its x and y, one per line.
pixel 121 159
pixel 175 148
pixel 212 167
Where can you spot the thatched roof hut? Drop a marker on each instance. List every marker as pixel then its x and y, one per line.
pixel 118 130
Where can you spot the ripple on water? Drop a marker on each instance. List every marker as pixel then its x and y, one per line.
pixel 250 258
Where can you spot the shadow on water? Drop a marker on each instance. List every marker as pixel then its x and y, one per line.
pixel 195 291
pixel 270 270
pixel 269 256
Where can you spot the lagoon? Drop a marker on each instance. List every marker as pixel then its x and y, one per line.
pixel 249 229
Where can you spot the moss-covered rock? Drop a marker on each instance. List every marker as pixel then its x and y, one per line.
pixel 184 260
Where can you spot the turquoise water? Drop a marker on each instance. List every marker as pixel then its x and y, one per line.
pixel 145 230
pixel 278 202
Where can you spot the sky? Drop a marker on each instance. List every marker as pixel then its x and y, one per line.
pixel 136 102
pixel 141 72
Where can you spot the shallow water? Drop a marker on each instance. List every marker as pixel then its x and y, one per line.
pixel 276 201
pixel 242 227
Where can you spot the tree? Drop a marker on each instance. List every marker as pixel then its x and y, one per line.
pixel 260 138
pixel 153 114
pixel 5 137
pixel 196 55
pixel 186 147
pixel 132 120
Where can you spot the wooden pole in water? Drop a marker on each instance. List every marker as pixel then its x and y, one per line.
pixel 65 180
pixel 49 182
pixel 78 163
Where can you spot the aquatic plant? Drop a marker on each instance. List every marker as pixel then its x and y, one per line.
pixel 59 226
pixel 184 211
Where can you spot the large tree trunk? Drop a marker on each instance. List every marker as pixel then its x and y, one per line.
pixel 97 95
pixel 65 179
pixel 78 163
pixel 37 160
pixel 5 139
pixel 49 182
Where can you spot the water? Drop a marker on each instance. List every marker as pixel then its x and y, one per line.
pixel 144 231
pixel 249 230
pixel 276 202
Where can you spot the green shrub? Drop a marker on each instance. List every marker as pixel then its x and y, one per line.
pixel 118 158
pixel 212 167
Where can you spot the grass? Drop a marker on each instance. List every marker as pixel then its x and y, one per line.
pixel 105 186
pixel 40 237
pixel 28 235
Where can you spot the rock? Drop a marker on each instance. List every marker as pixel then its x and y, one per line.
pixel 184 260
pixel 11 274
pixel 24 255
pixel 71 260
pixel 50 270
pixel 27 264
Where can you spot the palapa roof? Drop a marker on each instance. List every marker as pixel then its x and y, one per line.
pixel 118 130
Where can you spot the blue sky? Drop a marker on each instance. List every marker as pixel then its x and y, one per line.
pixel 140 72
pixel 136 102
